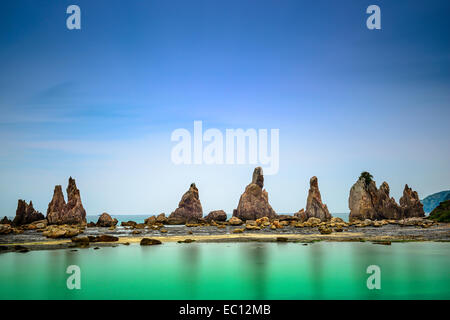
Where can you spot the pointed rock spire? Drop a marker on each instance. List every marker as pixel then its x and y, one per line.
pixel 189 208
pixel 254 202
pixel 314 206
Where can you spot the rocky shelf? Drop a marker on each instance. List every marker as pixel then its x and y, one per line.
pixel 383 233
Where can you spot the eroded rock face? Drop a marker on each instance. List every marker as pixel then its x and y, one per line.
pixel 314 206
pixel 217 215
pixel 254 202
pixel 410 203
pixel 26 214
pixel 105 220
pixel 368 202
pixel 72 212
pixel 301 215
pixel 189 208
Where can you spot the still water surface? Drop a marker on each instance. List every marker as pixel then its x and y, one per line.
pixel 325 270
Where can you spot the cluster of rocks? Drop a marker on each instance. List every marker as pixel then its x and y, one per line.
pixel 367 202
pixel 26 214
pixel 63 220
pixel 72 212
pixel 369 206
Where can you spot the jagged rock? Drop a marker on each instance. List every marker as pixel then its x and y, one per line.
pixel 72 212
pixel 254 202
pixel 367 202
pixel 314 206
pixel 5 220
pixel 105 220
pixel 189 208
pixel 26 214
pixel 410 203
pixel 150 220
pixel 301 215
pixel 217 215
pixel 161 218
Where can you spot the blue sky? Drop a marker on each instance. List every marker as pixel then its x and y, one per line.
pixel 100 103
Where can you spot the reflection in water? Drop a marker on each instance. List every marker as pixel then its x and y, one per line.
pixel 316 267
pixel 255 259
pixel 231 271
pixel 190 256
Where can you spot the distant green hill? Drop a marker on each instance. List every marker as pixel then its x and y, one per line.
pixel 442 212
pixel 432 201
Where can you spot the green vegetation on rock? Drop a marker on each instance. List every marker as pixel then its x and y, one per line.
pixel 442 212
pixel 367 177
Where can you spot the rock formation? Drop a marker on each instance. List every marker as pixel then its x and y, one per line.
pixel 367 202
pixel 5 220
pixel 26 214
pixel 72 212
pixel 217 215
pixel 254 202
pixel 105 220
pixel 410 203
pixel 189 209
pixel 301 215
pixel 314 206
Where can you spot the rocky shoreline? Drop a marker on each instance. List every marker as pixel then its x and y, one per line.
pixel 289 231
pixel 374 216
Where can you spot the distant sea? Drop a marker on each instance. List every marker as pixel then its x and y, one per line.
pixel 139 218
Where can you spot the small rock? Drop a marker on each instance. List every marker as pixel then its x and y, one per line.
pixel 149 242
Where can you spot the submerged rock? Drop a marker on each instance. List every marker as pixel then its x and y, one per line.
pixel 72 212
pixel 105 220
pixel 254 202
pixel 314 206
pixel 26 214
pixel 189 209
pixel 149 242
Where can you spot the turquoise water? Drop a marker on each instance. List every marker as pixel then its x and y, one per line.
pixel 325 270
